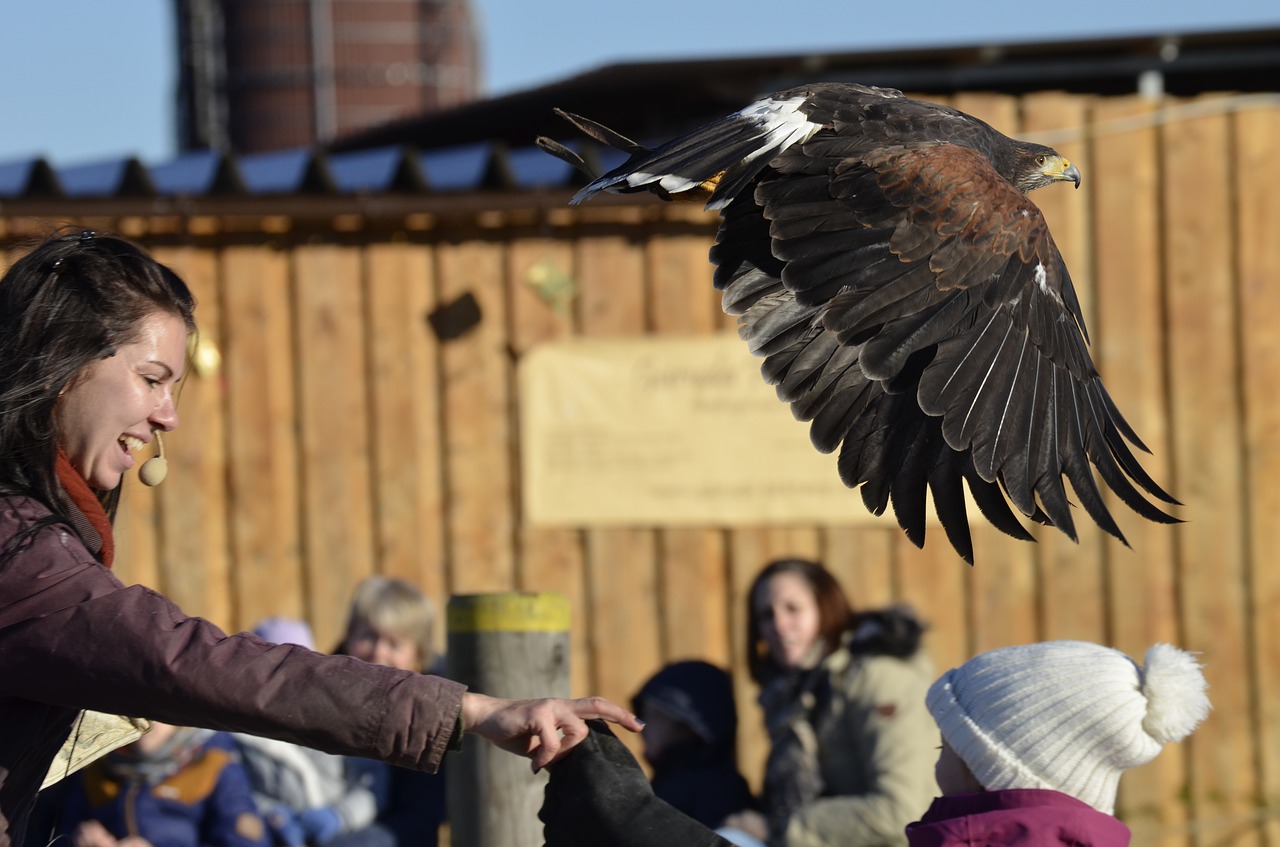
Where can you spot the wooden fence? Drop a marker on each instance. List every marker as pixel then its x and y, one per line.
pixel 340 438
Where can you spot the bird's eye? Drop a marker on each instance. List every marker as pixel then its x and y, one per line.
pixel 1042 160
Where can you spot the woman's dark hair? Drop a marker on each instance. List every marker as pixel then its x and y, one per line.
pixel 74 299
pixel 835 615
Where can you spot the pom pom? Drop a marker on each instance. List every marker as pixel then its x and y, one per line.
pixel 1176 694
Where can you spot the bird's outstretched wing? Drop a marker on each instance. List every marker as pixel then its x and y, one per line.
pixel 909 301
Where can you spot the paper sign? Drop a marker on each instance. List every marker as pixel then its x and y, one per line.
pixel 668 431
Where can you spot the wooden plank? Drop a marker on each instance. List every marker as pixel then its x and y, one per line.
pixel 1129 338
pixel 1005 589
pixel 1072 588
pixel 334 430
pixel 1202 358
pixel 194 547
pixel 1258 253
pixel 939 584
pixel 682 296
pixel 1004 586
pixel 404 403
pixel 694 609
pixel 861 558
pixel 541 288
pixel 691 562
pixel 621 563
pixel 1129 350
pixel 623 590
pixel 478 427
pixel 258 378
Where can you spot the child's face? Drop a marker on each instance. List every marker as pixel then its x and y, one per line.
pixel 788 617
pixel 662 733
pixel 953 775
pixel 154 739
pixel 384 648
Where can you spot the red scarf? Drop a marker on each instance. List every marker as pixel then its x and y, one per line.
pixel 87 502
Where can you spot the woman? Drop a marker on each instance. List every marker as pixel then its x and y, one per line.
pixel 852 745
pixel 93 337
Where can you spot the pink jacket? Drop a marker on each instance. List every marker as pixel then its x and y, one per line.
pixel 1020 817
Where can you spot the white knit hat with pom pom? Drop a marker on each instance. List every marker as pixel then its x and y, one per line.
pixel 1067 715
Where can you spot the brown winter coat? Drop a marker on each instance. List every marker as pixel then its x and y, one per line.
pixel 74 637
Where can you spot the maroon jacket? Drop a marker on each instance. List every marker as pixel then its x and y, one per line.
pixel 1016 817
pixel 74 637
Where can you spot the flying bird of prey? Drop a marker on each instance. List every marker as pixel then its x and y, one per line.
pixel 908 301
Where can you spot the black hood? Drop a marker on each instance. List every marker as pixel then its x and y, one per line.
pixel 894 631
pixel 699 695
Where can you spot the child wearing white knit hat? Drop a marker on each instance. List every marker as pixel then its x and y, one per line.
pixel 1035 739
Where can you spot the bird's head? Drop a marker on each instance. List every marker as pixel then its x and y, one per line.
pixel 1038 166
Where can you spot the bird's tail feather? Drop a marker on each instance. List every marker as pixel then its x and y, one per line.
pixel 601 133
pixel 563 153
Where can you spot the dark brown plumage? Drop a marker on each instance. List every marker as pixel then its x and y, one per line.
pixel 908 300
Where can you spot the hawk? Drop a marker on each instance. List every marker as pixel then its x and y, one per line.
pixel 908 301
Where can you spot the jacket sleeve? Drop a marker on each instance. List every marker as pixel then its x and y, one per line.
pixel 72 635
pixel 900 742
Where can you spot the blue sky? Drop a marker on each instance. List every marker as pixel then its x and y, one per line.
pixel 86 79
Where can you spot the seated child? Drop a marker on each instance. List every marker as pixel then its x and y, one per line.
pixel 691 725
pixel 174 787
pixel 389 622
pixel 1035 739
pixel 306 796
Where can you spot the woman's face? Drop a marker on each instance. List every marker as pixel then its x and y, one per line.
pixel 116 405
pixel 787 614
pixel 384 648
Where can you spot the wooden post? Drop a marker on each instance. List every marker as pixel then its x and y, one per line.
pixel 506 645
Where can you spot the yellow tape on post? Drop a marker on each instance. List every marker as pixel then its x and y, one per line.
pixel 510 612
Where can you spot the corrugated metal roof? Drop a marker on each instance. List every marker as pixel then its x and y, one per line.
pixel 110 178
pixel 465 168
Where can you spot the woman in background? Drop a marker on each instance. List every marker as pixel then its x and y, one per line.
pixel 852 745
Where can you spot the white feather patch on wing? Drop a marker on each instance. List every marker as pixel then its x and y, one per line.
pixel 781 124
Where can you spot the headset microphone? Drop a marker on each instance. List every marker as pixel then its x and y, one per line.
pixel 155 469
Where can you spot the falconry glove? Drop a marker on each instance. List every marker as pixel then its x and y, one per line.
pixel 598 795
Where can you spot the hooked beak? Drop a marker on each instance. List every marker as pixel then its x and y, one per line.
pixel 1071 172
pixel 1062 170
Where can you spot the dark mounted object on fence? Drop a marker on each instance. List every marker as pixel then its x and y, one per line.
pixel 456 319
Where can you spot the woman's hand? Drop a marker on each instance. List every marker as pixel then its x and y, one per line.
pixel 542 730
